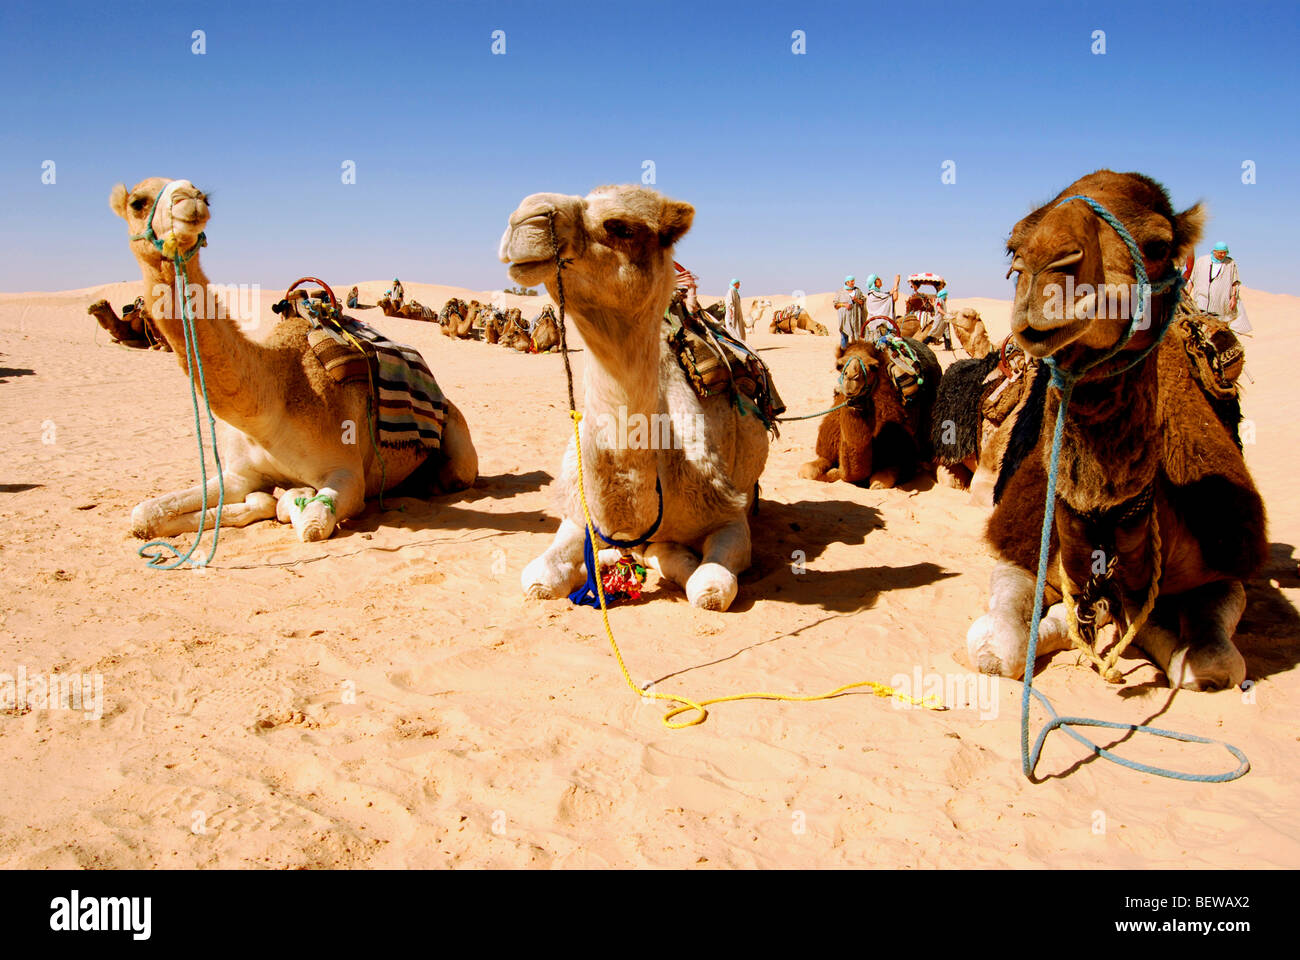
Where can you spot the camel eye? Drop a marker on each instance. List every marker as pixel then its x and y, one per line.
pixel 618 228
pixel 1156 250
pixel 138 204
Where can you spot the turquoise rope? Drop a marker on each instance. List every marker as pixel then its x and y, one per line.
pixel 1064 380
pixel 301 502
pixel 193 360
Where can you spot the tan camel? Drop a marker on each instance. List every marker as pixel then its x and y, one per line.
pixel 758 308
pixel 705 456
pixel 457 318
pixel 546 331
pixel 282 422
pixel 135 328
pixel 796 317
pixel 514 331
pixel 1148 472
pixel 494 321
pixel 971 334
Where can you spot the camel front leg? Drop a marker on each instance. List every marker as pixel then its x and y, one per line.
pixel 998 642
pixel 341 496
pixel 176 513
pixel 714 583
pixel 1189 636
pixel 258 505
pixel 820 469
pixel 560 570
pixel 674 562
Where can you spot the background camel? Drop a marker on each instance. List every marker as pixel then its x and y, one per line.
pixel 457 318
pixel 707 457
pixel 758 308
pixel 973 414
pixel 514 331
pixel 280 416
pixel 877 436
pixel 1141 448
pixel 546 331
pixel 795 317
pixel 135 328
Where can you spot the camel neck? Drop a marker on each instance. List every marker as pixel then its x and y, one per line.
pixel 1110 449
pixel 230 368
pixel 624 426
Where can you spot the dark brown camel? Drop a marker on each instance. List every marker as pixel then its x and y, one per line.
pixel 1153 497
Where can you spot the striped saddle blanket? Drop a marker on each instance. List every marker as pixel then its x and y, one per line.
pixel 409 408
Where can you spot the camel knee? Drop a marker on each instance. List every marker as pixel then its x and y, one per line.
pixel 998 642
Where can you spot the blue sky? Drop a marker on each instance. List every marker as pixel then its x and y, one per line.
pixel 801 167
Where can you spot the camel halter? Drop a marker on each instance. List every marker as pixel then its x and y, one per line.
pixel 684 704
pixel 194 364
pixel 168 248
pixel 1064 380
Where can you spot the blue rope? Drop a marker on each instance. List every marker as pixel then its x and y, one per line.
pixel 1064 380
pixel 157 559
pixel 587 595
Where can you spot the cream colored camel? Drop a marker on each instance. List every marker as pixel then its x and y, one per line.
pixel 620 241
pixel 282 422
pixel 757 310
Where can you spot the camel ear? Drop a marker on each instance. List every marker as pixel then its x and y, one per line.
pixel 674 220
pixel 1188 229
pixel 117 200
pixel 839 351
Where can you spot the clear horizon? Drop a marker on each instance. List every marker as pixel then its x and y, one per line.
pixel 802 168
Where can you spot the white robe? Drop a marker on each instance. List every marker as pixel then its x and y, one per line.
pixel 734 320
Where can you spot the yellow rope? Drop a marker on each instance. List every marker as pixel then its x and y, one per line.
pixel 687 704
pixel 1106 666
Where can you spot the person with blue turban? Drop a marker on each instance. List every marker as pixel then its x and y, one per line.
pixel 396 293
pixel 1216 287
pixel 734 319
pixel 880 304
pixel 849 304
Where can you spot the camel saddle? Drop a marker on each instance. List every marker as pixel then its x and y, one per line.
pixel 406 402
pixel 1216 355
pixel 716 363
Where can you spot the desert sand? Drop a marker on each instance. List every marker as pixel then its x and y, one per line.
pixel 388 698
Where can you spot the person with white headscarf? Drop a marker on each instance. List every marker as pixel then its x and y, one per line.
pixel 849 303
pixel 1216 287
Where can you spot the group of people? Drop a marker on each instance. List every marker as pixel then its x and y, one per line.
pixel 863 313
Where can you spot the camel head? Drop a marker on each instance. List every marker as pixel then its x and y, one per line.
pixel 860 369
pixel 1075 288
pixel 181 211
pixel 620 240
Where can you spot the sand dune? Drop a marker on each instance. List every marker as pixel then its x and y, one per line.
pixel 388 698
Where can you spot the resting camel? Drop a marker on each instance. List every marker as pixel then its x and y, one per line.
pixel 135 328
pixel 457 318
pixel 878 437
pixel 973 415
pixel 966 322
pixel 704 456
pixel 514 331
pixel 795 317
pixel 280 418
pixel 546 331
pixel 1143 452
pixel 494 320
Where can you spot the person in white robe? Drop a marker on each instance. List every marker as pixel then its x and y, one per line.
pixel 1216 287
pixel 734 319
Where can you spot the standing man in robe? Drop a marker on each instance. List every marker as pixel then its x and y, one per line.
pixel 1216 287
pixel 880 303
pixel 734 319
pixel 849 304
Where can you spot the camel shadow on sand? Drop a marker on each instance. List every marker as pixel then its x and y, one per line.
pixel 792 536
pixel 454 511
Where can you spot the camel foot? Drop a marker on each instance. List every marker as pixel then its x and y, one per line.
pixel 952 477
pixel 1207 668
pixel 884 480
pixel 312 515
pixel 814 470
pixel 711 587
pixel 998 642
pixel 286 499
